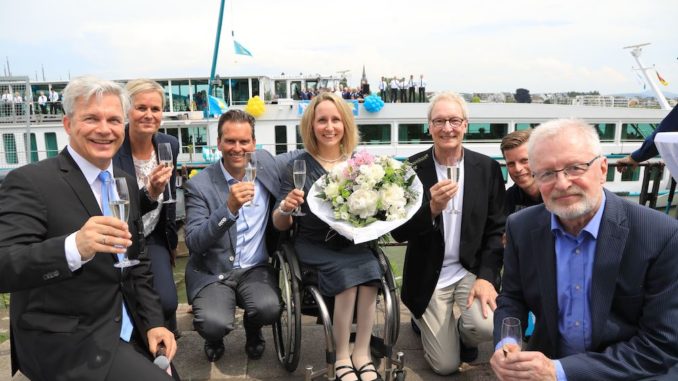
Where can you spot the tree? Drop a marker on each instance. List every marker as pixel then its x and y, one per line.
pixel 522 96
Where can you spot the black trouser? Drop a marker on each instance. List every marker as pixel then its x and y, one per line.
pixel 422 94
pixel 163 274
pixel 410 95
pixel 130 363
pixel 394 95
pixel 254 289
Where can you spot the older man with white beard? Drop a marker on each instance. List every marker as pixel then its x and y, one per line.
pixel 597 271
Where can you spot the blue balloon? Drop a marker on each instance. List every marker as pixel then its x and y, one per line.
pixel 373 103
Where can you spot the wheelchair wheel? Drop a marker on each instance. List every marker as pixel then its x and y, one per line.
pixel 287 330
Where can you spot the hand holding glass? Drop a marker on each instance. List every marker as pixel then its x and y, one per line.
pixel 299 175
pixel 452 169
pixel 118 203
pixel 250 172
pixel 165 158
pixel 511 329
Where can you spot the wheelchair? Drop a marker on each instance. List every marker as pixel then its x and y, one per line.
pixel 300 295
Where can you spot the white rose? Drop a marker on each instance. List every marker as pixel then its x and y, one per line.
pixel 392 197
pixel 332 190
pixel 363 203
pixel 373 173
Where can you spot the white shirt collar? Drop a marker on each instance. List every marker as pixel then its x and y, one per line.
pixel 88 169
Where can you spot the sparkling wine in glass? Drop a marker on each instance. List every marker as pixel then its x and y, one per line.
pixel 452 169
pixel 299 176
pixel 165 159
pixel 512 330
pixel 250 172
pixel 118 203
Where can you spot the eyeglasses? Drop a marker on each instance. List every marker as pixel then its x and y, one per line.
pixel 571 172
pixel 454 122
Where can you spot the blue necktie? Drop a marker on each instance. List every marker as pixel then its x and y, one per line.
pixel 127 326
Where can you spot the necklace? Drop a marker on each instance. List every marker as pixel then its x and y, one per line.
pixel 330 161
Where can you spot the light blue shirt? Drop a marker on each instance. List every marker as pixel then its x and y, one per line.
pixel 251 222
pixel 574 264
pixel 91 172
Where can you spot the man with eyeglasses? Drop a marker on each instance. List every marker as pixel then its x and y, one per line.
pixel 598 272
pixel 454 249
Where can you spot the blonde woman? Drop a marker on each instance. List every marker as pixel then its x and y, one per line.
pixel 138 157
pixel 346 271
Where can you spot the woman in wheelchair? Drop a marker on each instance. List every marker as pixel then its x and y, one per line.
pixel 350 273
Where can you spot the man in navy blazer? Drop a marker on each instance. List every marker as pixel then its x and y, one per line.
pixel 229 241
pixel 598 272
pixel 648 149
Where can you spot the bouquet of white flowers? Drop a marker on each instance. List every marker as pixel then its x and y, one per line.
pixel 366 197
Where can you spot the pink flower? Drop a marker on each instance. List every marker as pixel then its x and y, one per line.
pixel 361 158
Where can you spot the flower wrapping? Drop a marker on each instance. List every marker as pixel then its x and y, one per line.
pixel 366 197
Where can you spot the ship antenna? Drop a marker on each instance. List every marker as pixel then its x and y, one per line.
pixel 216 49
pixel 636 51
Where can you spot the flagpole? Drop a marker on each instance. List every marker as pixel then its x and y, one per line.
pixel 636 51
pixel 216 49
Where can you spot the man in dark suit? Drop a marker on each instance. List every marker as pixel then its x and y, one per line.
pixel 598 272
pixel 71 309
pixel 229 241
pixel 648 149
pixel 453 257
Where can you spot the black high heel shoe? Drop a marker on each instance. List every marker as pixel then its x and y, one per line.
pixel 351 371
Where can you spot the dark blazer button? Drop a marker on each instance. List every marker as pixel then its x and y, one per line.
pixel 117 318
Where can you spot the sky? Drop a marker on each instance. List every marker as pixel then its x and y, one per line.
pixel 464 46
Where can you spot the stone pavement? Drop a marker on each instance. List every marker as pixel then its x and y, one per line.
pixel 235 366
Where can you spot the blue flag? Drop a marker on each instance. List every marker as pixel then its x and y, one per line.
pixel 239 49
pixel 217 106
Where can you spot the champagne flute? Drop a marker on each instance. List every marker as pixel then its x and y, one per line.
pixel 165 158
pixel 118 204
pixel 452 169
pixel 512 330
pixel 250 172
pixel 299 176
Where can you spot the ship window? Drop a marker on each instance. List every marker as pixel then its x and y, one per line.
pixel 605 131
pixel 525 126
pixel 10 149
pixel 372 134
pixel 200 89
pixel 193 136
pixel 51 144
pixel 280 89
pixel 486 131
pixel 240 91
pixel 611 169
pixel 255 87
pixel 413 133
pixel 637 131
pixel 172 131
pixel 180 100
pixel 629 175
pixel 280 139
pixel 300 143
pixel 34 148
pixel 165 85
pixel 296 90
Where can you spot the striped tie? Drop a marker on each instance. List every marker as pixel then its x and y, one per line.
pixel 127 326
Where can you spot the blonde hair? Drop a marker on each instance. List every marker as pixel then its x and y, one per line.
pixel 143 85
pixel 351 138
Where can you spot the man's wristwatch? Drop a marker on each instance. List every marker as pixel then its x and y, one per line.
pixel 282 211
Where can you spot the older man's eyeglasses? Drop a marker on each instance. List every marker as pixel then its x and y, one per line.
pixel 454 122
pixel 570 172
